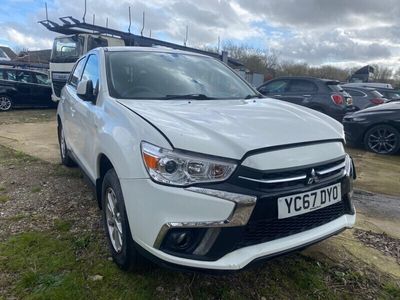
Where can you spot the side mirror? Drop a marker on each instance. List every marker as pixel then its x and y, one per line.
pixel 85 90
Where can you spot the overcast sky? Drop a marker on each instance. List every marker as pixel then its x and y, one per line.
pixel 340 32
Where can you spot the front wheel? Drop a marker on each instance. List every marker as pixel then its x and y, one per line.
pixel 382 139
pixel 5 103
pixel 116 225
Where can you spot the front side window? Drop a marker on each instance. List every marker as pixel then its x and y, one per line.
pixel 42 79
pixel 91 71
pixel 24 77
pixel 158 75
pixel 76 75
pixel 278 86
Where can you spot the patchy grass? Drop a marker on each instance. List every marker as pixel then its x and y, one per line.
pixel 62 171
pixel 377 173
pixel 27 116
pixel 16 218
pixel 45 265
pixel 36 189
pixel 62 225
pixel 10 157
pixel 4 198
pixel 2 188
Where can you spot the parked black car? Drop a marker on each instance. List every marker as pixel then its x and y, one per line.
pixel 376 128
pixel 24 88
pixel 365 97
pixel 323 95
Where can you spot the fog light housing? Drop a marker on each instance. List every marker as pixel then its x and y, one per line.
pixel 182 240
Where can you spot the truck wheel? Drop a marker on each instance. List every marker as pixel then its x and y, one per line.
pixel 116 225
pixel 382 139
pixel 5 103
pixel 66 159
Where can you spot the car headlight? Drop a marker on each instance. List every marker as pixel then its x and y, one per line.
pixel 181 168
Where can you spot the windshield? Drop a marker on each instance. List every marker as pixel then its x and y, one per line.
pixel 158 75
pixel 67 49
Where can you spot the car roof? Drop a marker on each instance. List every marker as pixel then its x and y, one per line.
pixel 149 49
pixel 307 77
pixel 368 89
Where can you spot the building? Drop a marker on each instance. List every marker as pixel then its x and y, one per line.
pixel 6 54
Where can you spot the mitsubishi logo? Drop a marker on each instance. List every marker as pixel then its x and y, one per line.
pixel 313 177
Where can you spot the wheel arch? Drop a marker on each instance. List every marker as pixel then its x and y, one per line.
pixel 103 165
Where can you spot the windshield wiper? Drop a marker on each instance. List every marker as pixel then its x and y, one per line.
pixel 189 96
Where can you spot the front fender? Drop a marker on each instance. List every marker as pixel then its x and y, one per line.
pixel 119 139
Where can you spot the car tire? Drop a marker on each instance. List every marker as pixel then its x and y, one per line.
pixel 382 139
pixel 66 159
pixel 6 103
pixel 116 226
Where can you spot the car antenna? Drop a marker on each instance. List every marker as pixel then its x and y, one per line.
pixel 94 19
pixel 130 21
pixel 186 35
pixel 141 32
pixel 107 22
pixel 84 13
pixel 47 15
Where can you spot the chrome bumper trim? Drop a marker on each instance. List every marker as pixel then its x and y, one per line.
pixel 244 205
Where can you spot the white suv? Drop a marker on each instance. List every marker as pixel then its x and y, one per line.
pixel 193 168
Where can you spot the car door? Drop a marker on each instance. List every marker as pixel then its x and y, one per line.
pixel 24 83
pixel 275 88
pixel 300 91
pixel 68 102
pixel 41 90
pixel 85 117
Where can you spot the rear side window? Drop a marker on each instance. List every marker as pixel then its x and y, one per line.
pixel 355 93
pixel 8 75
pixel 377 94
pixel 302 86
pixel 335 87
pixel 76 75
pixel 278 86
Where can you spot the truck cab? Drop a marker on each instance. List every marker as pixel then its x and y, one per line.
pixel 66 51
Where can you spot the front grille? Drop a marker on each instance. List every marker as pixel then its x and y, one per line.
pixel 261 231
pixel 288 179
pixel 57 86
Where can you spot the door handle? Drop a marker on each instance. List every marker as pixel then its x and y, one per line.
pixel 306 95
pixel 276 95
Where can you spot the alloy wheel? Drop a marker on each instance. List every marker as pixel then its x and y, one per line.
pixel 113 219
pixel 5 103
pixel 382 140
pixel 63 147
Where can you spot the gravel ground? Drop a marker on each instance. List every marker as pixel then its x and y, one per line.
pixel 39 196
pixel 380 241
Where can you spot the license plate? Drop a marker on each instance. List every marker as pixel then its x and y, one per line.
pixel 299 204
